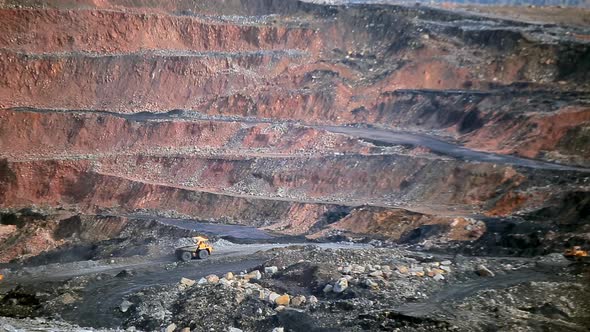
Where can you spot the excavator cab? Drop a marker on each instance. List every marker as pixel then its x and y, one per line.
pixel 200 250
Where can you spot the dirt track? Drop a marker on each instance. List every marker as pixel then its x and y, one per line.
pixel 394 137
pixel 99 305
pixel 102 297
pixel 445 148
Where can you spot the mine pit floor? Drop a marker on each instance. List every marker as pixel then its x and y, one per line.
pixel 90 293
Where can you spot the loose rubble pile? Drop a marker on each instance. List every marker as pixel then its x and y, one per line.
pixel 303 288
pixel 41 324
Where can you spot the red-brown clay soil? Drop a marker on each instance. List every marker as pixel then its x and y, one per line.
pixel 50 31
pixel 31 135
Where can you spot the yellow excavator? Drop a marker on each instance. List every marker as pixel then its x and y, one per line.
pixel 576 254
pixel 200 250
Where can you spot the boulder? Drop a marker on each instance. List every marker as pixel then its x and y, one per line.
pixel 229 276
pixel 298 300
pixel 256 275
pixel 125 305
pixel 370 283
pixel 346 269
pixel 67 298
pixel 169 328
pixel 212 279
pixel 278 329
pixel 187 282
pixel 419 274
pixel 272 297
pixel 446 262
pixel 416 269
pixel 271 269
pixel 313 300
pixel 341 285
pixel 358 269
pixel 438 277
pixel 435 272
pixel 445 268
pixel 240 297
pixel 202 281
pixel 283 300
pixel 328 288
pixel 483 271
pixel 403 269
pixel 234 329
pixel 376 274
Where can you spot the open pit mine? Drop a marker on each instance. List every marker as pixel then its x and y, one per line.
pixel 294 165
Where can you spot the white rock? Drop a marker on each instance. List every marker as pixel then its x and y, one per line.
pixel 438 277
pixel 271 269
pixel 187 282
pixel 313 300
pixel 254 275
pixel 483 271
pixel 358 269
pixel 273 296
pixel 341 285
pixel 125 306
pixel 328 288
pixel 169 328
pixel 376 274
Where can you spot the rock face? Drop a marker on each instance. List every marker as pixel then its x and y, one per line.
pixel 166 109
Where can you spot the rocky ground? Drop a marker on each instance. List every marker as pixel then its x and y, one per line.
pixel 311 288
